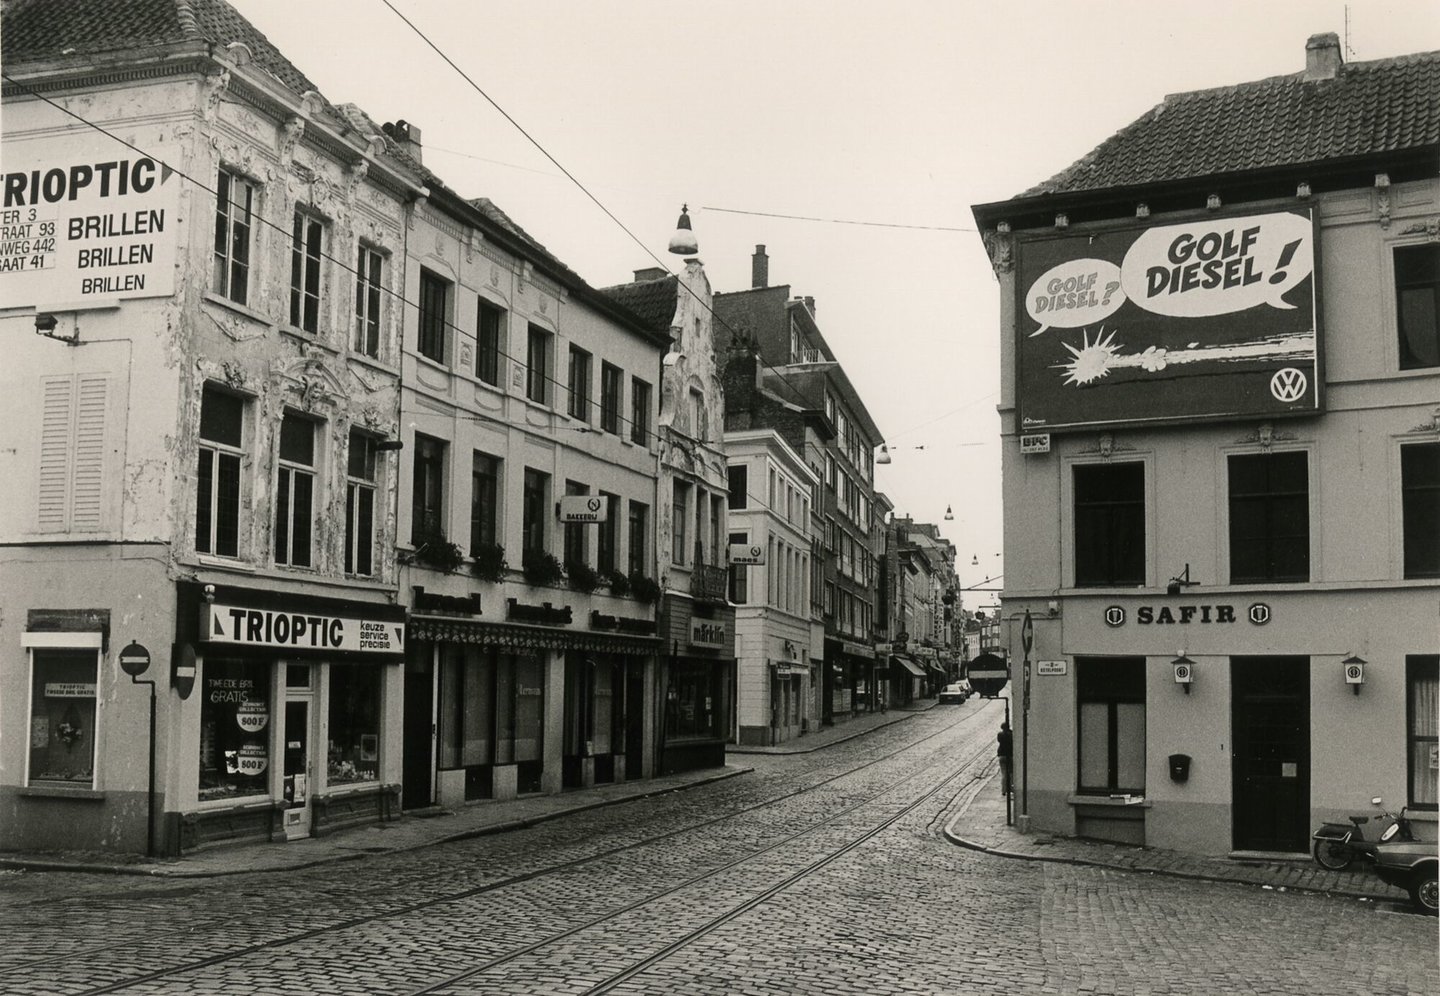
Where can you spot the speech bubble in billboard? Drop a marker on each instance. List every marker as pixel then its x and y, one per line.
pixel 1220 265
pixel 1075 293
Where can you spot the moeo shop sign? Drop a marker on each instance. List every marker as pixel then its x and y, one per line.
pixel 1165 615
pixel 233 624
pixel 1209 319
pixel 81 225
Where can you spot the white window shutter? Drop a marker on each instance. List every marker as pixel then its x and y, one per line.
pixel 87 480
pixel 56 404
pixel 72 453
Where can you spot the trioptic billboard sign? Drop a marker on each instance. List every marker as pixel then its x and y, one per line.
pixel 1205 319
pixel 85 222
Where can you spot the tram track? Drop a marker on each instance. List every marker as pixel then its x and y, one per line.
pixel 557 868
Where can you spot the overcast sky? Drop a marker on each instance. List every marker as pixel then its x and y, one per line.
pixel 897 113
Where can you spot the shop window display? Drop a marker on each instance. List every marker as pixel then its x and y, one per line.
pixel 62 717
pixel 353 750
pixel 235 717
pixel 692 707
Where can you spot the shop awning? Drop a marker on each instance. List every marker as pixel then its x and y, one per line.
pixel 520 637
pixel 909 665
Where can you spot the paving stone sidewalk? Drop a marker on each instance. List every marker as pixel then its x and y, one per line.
pixel 981 826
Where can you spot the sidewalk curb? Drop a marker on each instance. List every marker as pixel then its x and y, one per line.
pixel 949 832
pixel 153 871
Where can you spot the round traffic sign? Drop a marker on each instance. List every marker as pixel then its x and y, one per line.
pixel 135 659
pixel 988 674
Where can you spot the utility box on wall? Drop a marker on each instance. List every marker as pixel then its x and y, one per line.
pixel 1179 767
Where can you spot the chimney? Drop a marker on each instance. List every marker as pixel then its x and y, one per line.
pixel 759 269
pixel 651 273
pixel 809 305
pixel 407 136
pixel 1322 56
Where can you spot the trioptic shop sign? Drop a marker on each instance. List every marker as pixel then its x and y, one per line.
pixel 299 630
pixel 1207 319
pixel 85 222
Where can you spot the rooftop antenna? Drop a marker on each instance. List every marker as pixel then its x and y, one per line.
pixel 1349 52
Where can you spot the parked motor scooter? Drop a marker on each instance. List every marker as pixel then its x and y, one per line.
pixel 1337 845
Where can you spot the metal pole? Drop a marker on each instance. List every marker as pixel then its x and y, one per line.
pixel 150 808
pixel 1025 744
pixel 1009 764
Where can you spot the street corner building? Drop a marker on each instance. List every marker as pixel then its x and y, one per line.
pixel 1221 420
pixel 333 492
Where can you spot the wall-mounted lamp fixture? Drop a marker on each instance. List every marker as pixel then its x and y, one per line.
pixel 1354 666
pixel 1053 607
pixel 884 455
pixel 387 445
pixel 1212 203
pixel 1184 672
pixel 1181 580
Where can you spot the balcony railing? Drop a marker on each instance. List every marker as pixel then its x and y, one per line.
pixel 709 584
pixel 807 356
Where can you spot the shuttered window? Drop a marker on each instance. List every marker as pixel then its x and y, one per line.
pixel 72 453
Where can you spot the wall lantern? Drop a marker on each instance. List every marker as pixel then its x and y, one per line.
pixel 1354 666
pixel 1184 672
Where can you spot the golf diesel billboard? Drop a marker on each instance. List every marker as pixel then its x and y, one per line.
pixel 1143 323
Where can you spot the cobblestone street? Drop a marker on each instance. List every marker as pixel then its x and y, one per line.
pixel 817 872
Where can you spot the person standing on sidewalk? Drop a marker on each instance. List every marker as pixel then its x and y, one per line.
pixel 1003 741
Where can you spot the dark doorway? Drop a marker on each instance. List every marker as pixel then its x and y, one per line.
pixel 419 764
pixel 1270 720
pixel 635 720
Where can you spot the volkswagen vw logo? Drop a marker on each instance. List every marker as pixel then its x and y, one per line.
pixel 1288 385
pixel 1259 613
pixel 1114 615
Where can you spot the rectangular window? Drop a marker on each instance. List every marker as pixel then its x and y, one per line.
pixel 1422 682
pixel 1417 305
pixel 434 314
pixel 1110 697
pixel 369 275
pixel 680 517
pixel 1269 517
pixel 699 417
pixel 360 505
pixel 692 700
pixel 306 253
pixel 830 471
pixel 611 380
pixel 295 491
pixel 827 606
pixel 639 515
pixel 609 535
pixel 739 573
pixel 537 365
pixel 639 411
pixel 533 517
pixel 1420 500
pixel 63 716
pixel 579 384
pixel 234 204
pixel 217 492
pixel 576 551
pixel 427 521
pixel 236 718
pixel 484 489
pixel 467 706
pixel 1110 524
pixel 487 342
pixel 354 733
pixel 717 516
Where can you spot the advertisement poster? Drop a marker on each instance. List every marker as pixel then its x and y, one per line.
pixel 85 222
pixel 1205 319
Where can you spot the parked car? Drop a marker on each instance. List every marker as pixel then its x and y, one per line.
pixel 1410 864
pixel 955 693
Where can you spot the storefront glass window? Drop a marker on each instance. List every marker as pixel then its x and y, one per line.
pixel 235 716
pixel 354 747
pixel 1423 675
pixel 604 707
pixel 62 717
pixel 529 708
pixel 692 702
pixel 467 704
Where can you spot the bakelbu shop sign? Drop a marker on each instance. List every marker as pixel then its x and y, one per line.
pixel 1149 323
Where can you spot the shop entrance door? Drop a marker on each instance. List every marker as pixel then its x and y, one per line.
pixel 635 720
pixel 419 762
pixel 299 765
pixel 1270 724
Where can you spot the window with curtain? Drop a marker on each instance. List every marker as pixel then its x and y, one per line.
pixel 1110 696
pixel 1422 679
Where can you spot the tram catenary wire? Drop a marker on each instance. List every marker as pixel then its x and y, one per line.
pixel 557 868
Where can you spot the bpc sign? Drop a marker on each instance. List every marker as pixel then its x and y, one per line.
pixel 82 226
